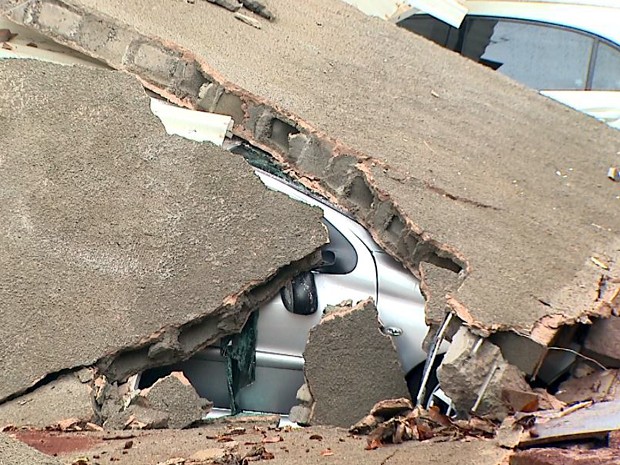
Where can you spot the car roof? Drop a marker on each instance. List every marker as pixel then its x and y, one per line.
pixel 605 3
pixel 599 17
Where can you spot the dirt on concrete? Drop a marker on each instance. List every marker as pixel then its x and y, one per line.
pixel 15 452
pixel 446 161
pixel 123 247
pixel 316 445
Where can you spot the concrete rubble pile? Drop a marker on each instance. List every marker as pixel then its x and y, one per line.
pixel 123 248
pixel 475 205
pixel 495 197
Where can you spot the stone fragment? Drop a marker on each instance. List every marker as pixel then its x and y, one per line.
pixel 470 364
pixel 300 414
pixel 58 400
pixel 303 395
pixel 175 395
pixel 259 8
pixel 350 366
pixel 366 424
pixel 247 20
pixel 211 455
pixel 137 417
pixel 603 342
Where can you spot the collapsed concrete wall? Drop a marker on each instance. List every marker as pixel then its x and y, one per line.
pixel 123 247
pixel 445 161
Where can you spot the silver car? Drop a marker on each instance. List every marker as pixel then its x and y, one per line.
pixel 354 268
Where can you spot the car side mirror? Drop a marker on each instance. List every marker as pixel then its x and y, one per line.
pixel 299 295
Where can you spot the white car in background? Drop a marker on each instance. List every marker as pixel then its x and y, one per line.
pixel 569 51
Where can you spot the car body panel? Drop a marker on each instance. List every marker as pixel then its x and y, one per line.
pixel 602 105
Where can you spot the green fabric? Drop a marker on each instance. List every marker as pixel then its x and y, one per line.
pixel 240 352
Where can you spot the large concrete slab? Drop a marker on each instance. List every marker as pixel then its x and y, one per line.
pixel 121 245
pixel 445 160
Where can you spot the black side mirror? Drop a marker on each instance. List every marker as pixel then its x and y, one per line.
pixel 299 295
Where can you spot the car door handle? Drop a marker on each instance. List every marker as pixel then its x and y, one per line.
pixel 391 330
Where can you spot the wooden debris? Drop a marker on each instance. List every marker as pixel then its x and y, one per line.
pixel 404 424
pixel 247 20
pixel 586 420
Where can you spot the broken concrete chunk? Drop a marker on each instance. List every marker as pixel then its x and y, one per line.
pixel 350 366
pixel 603 342
pixel 175 395
pixel 60 399
pixel 300 414
pixel 303 395
pixel 137 416
pixel 119 235
pixel 15 452
pixel 598 386
pixel 475 376
pixel 439 214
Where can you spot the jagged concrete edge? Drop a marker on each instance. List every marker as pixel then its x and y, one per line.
pixel 183 341
pixel 340 172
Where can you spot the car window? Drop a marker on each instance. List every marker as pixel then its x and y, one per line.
pixel 538 55
pixel 433 29
pixel 606 68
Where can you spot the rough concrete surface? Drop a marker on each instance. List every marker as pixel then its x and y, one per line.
pixel 64 398
pixel 347 375
pixel 118 239
pixel 14 452
pixel 445 160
